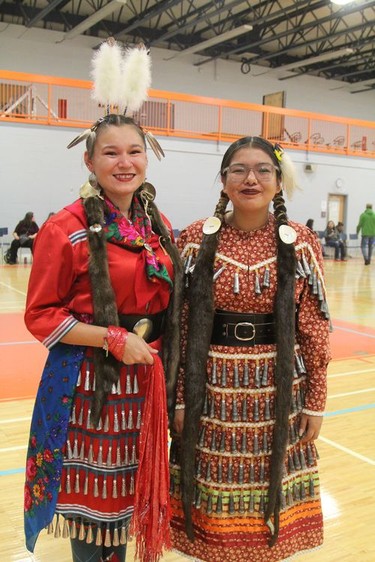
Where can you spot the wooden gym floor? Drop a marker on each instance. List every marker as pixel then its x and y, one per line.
pixel 346 445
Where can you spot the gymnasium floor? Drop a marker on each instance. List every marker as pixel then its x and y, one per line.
pixel 346 445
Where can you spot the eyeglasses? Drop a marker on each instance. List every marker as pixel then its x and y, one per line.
pixel 239 172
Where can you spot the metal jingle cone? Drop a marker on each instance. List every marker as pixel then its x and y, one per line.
pixel 73 530
pixel 82 533
pixel 115 540
pixel 57 532
pixel 65 531
pixel 107 539
pixel 224 374
pixel 236 283
pixel 99 537
pixel 123 535
pixel 90 535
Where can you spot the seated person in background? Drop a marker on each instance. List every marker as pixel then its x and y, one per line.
pixel 23 235
pixel 332 238
pixel 342 235
pixel 310 225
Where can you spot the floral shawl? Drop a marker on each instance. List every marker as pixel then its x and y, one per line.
pixel 47 437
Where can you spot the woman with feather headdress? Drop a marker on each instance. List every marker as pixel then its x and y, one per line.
pixel 101 298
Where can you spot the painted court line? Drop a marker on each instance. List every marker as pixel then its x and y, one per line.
pixel 18 342
pixel 346 450
pixel 349 373
pixel 349 410
pixel 15 420
pixel 351 393
pixel 12 288
pixel 10 449
pixel 11 471
pixel 359 333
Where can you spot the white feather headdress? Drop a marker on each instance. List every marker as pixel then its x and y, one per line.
pixel 121 79
pixel 135 78
pixel 106 74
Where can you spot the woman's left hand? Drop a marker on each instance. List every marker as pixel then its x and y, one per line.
pixel 309 428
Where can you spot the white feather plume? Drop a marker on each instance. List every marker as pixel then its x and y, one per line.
pixel 136 78
pixel 106 73
pixel 288 175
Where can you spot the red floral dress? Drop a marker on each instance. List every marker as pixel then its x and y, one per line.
pixel 235 438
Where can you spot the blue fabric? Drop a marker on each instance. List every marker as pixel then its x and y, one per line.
pixel 48 433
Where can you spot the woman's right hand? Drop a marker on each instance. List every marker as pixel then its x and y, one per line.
pixel 138 351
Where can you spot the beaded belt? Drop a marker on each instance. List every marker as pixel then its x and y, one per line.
pixel 149 326
pixel 237 329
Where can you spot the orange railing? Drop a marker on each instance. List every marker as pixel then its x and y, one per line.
pixel 47 100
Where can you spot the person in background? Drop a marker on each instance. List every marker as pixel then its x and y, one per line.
pixel 366 225
pixel 332 239
pixel 24 235
pixel 310 225
pixel 100 288
pixel 244 479
pixel 342 234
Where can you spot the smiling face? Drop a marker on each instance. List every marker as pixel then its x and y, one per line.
pixel 119 162
pixel 251 193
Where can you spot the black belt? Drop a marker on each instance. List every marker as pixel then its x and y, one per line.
pixel 237 329
pixel 149 326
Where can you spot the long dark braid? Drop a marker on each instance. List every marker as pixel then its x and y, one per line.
pixel 171 339
pixel 197 351
pixel 107 369
pixel 285 339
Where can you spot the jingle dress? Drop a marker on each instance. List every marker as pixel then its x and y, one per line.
pixel 235 437
pixel 87 474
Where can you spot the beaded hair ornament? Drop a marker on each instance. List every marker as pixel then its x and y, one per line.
pixel 121 78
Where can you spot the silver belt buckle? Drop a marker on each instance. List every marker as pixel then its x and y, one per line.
pixel 143 328
pixel 244 324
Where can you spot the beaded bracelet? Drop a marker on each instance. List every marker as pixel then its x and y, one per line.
pixel 115 341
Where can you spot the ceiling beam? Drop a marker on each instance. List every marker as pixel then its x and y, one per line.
pixel 97 16
pixel 43 13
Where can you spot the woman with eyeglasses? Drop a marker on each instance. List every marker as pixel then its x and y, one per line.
pixel 251 390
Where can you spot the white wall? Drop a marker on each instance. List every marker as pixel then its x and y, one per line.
pixel 37 172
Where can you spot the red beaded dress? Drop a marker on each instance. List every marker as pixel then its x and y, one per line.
pixel 235 435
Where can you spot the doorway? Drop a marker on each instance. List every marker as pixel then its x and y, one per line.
pixel 336 208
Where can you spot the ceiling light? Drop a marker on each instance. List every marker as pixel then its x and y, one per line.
pixel 226 36
pixel 94 18
pixel 341 2
pixel 320 58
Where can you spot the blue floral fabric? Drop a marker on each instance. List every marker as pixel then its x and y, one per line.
pixel 48 436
